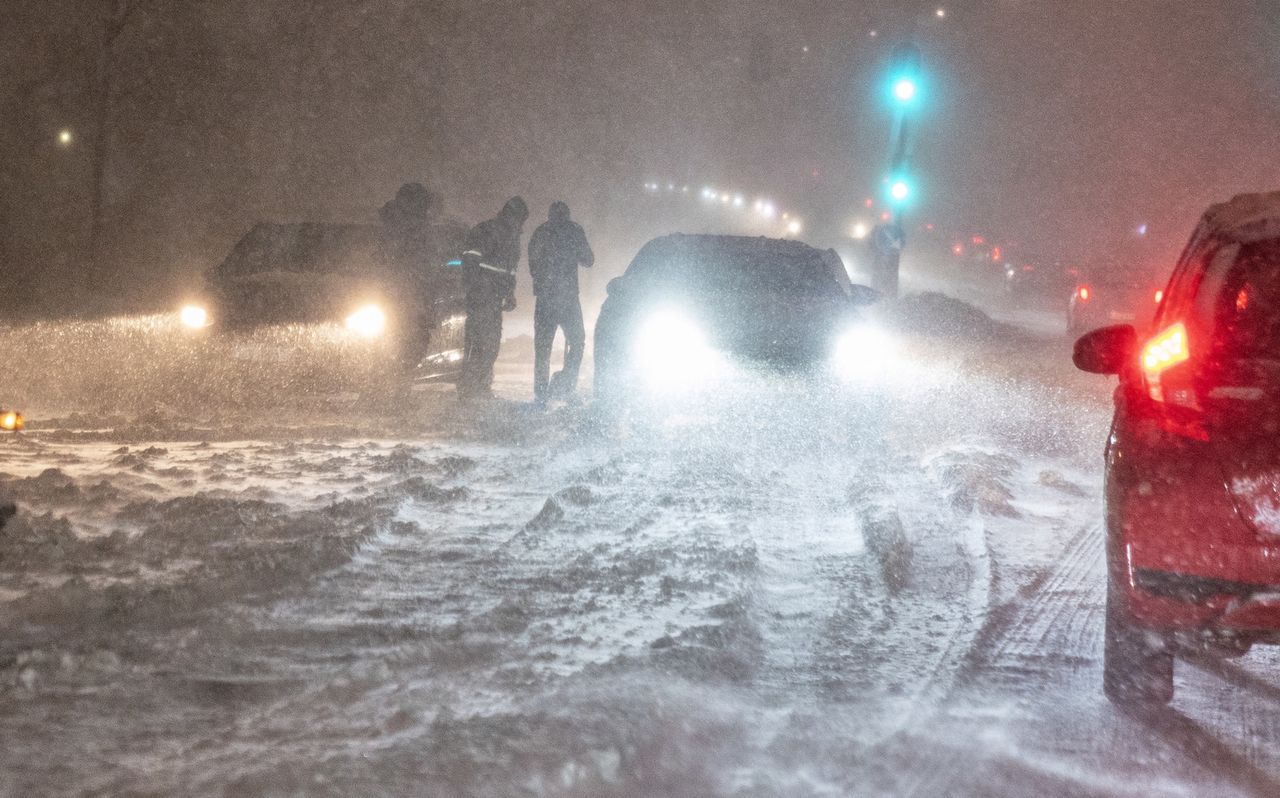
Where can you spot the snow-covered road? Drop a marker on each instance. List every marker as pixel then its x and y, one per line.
pixel 798 588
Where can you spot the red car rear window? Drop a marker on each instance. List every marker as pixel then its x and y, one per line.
pixel 1247 313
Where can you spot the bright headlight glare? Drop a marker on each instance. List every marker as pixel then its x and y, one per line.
pixel 863 352
pixel 193 316
pixel 369 321
pixel 672 352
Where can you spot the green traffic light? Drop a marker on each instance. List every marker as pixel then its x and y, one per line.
pixel 904 90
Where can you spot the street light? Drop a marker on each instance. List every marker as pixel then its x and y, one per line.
pixel 64 137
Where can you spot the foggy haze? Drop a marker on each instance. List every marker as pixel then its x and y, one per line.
pixel 1058 127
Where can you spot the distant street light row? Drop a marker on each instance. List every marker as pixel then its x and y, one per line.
pixel 762 207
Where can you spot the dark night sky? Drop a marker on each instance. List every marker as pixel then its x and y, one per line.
pixel 1056 125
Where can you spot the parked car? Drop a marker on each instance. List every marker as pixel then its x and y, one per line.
pixel 690 306
pixel 1114 296
pixel 1193 459
pixel 347 275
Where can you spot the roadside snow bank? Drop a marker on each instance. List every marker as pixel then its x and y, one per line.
pixel 934 314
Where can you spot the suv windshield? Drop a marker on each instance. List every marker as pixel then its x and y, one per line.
pixel 739 266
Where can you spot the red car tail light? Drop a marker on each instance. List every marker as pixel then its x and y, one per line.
pixel 1167 349
pixel 1083 293
pixel 1173 392
pixel 1159 296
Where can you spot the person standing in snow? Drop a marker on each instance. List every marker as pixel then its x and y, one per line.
pixel 556 250
pixel 410 242
pixel 489 280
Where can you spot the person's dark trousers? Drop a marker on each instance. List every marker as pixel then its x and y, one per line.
pixel 482 338
pixel 549 313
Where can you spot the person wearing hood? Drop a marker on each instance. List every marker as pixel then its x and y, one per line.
pixel 489 261
pixel 556 250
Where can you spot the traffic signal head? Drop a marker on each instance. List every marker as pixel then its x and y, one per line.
pixel 904 89
pixel 900 190
pixel 904 75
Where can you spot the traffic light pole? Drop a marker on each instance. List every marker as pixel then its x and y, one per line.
pixel 890 239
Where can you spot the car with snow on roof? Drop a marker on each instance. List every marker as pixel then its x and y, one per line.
pixel 1193 458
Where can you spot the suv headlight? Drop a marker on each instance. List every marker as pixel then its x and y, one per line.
pixel 862 352
pixel 369 321
pixel 671 351
pixel 194 316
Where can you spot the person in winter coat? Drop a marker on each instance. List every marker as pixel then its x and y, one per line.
pixel 489 280
pixel 416 241
pixel 556 250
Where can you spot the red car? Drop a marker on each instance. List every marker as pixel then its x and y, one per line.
pixel 1193 459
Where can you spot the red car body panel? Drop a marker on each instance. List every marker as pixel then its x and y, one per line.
pixel 1185 548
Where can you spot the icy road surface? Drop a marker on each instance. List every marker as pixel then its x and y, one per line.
pixel 893 587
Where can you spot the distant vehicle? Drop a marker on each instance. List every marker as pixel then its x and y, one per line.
pixel 338 274
pixel 1193 461
pixel 1113 296
pixel 690 306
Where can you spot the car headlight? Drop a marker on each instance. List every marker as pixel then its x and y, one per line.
pixel 672 352
pixel 193 316
pixel 863 351
pixel 369 321
pixel 11 420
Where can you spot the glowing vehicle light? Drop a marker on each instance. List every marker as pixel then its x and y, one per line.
pixel 794 227
pixel 904 90
pixel 193 316
pixel 738 201
pixel 860 230
pixel 1084 293
pixel 863 352
pixel 724 198
pixel 64 137
pixel 672 353
pixel 941 13
pixel 1159 296
pixel 1166 350
pixel 11 420
pixel 369 321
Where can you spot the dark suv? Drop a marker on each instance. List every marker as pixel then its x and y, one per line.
pixel 350 275
pixel 690 307
pixel 1193 460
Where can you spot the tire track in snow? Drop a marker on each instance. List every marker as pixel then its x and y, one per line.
pixel 1055 619
pixel 1055 616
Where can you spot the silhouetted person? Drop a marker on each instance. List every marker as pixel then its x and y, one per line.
pixel 556 250
pixel 489 279
pixel 412 245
